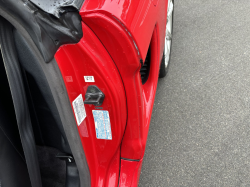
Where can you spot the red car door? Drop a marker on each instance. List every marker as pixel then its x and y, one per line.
pixel 118 38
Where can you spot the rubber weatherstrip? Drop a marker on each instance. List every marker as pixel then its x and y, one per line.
pixel 14 75
pixel 59 92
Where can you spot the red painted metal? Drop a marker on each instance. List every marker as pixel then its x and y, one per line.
pixel 136 17
pixel 89 58
pixel 130 172
pixel 117 36
pixel 126 27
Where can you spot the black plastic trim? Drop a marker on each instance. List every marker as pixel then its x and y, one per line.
pixel 47 31
pixel 145 67
pixel 134 160
pixel 14 74
pixel 58 89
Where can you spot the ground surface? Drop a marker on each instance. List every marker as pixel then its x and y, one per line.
pixel 200 126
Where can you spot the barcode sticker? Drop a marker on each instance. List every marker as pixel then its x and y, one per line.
pixel 102 124
pixel 79 109
pixel 89 79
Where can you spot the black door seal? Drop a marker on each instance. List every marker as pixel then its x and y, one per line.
pixel 16 84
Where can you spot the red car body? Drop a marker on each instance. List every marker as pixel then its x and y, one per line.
pixel 116 40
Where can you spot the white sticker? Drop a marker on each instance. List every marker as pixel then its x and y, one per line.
pixel 89 79
pixel 102 124
pixel 79 109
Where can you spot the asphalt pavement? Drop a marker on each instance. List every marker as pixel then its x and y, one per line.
pixel 200 127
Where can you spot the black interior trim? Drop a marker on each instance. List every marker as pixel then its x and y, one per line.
pixel 48 123
pixel 47 32
pixel 13 71
pixel 59 92
pixel 11 154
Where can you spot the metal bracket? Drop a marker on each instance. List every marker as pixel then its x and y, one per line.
pixel 94 96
